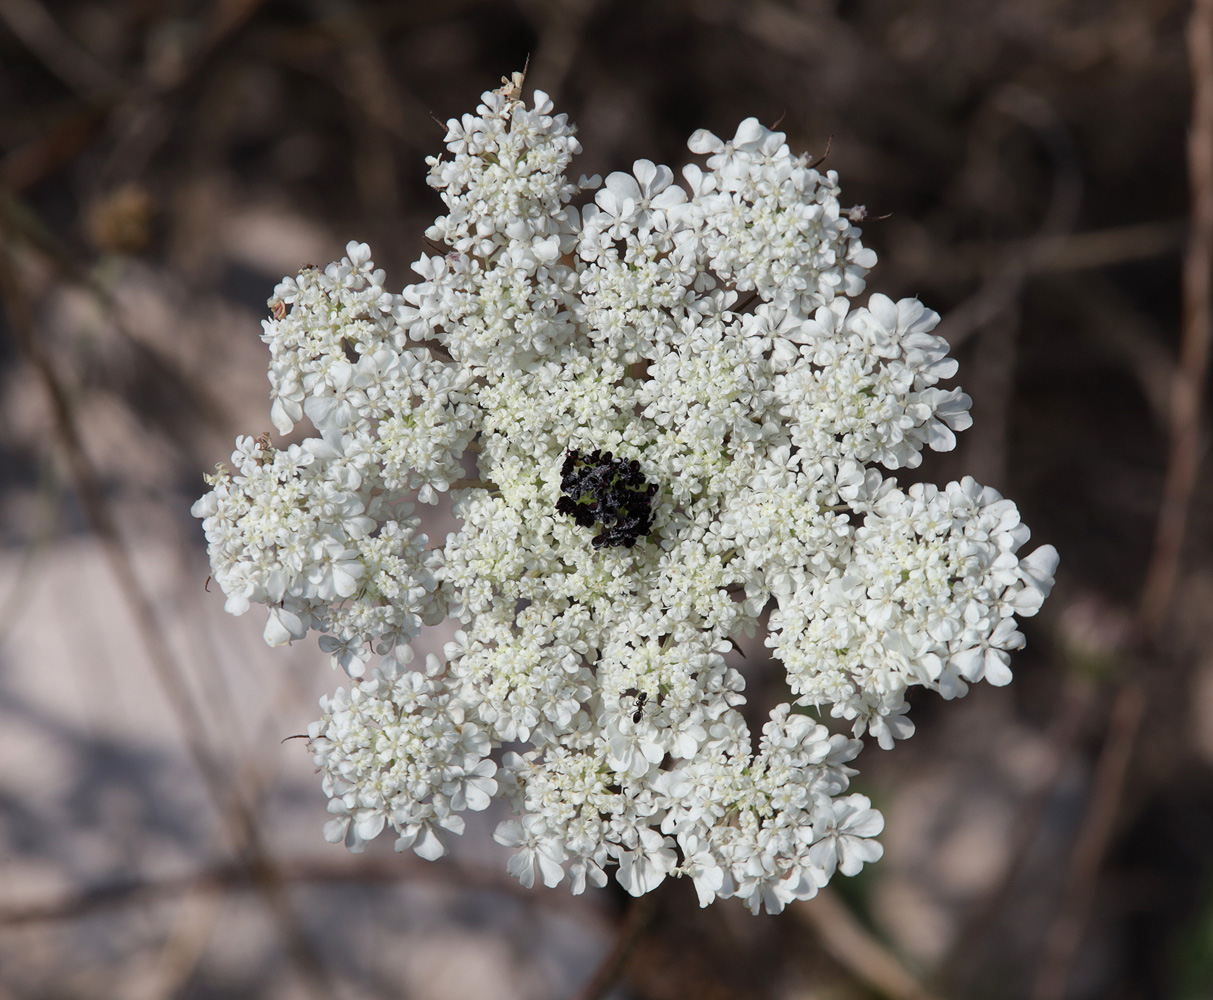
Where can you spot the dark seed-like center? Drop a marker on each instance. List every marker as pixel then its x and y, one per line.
pixel 601 489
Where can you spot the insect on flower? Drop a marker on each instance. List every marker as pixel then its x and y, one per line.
pixel 642 699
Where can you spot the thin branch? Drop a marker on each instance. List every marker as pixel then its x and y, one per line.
pixel 59 53
pixel 639 916
pixel 966 948
pixel 1187 403
pixel 64 139
pixel 1004 282
pixel 1098 824
pixel 232 875
pixel 1089 250
pixel 1187 397
pixel 17 218
pixel 237 816
pixel 992 377
pixel 857 951
pixel 49 504
pixel 375 100
pixel 560 26
pixel 166 973
pixel 1121 331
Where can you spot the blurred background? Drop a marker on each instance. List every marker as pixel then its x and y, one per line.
pixel 164 164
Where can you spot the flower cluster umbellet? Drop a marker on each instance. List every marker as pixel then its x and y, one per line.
pixel 662 423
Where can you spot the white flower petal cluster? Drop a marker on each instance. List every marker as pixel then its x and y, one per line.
pixel 662 423
pixel 397 751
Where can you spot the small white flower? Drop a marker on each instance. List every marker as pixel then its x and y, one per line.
pixel 844 838
pixel 538 851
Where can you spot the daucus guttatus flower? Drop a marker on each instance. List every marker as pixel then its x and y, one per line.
pixel 663 421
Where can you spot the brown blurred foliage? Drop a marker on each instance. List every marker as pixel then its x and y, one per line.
pixel 1023 166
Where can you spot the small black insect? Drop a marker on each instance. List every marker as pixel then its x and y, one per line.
pixel 642 699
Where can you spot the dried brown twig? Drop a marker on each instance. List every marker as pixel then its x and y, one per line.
pixel 953 971
pixel 1187 398
pixel 239 819
pixel 1004 283
pixel 57 51
pixel 639 916
pixel 1094 835
pixel 846 939
pixel 234 875
pixel 561 26
pixel 1183 460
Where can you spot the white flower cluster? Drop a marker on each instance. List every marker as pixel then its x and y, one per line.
pixel 662 425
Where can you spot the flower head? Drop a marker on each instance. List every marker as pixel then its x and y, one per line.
pixel 680 425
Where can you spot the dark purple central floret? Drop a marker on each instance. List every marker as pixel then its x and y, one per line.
pixel 599 488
